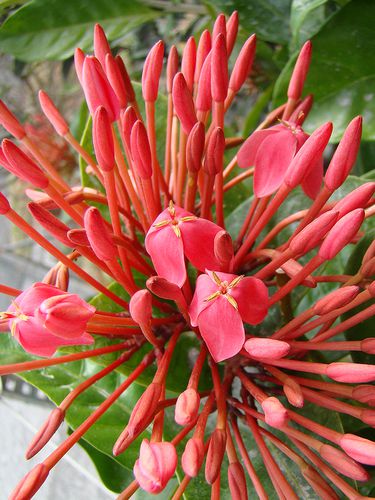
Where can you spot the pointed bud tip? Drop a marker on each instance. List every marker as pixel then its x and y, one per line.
pixel 266 348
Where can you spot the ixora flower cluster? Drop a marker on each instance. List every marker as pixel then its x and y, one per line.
pixel 167 224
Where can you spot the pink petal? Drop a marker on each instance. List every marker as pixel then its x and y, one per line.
pixel 272 161
pixel 251 296
pixel 167 254
pixel 222 329
pixel 204 288
pixel 248 151
pixel 312 183
pixel 198 237
pixel 30 299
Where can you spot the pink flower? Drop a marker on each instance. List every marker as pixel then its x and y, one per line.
pixel 220 304
pixel 156 465
pixel 44 318
pixel 271 151
pixel 176 233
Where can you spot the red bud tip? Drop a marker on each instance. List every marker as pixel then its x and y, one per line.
pixel 213 161
pixel 223 248
pixel 313 233
pixel 78 237
pixel 103 139
pixel 351 373
pixel 360 449
pixel 45 433
pixel 98 235
pixel 22 166
pixel 187 407
pixel 172 67
pixel 336 299
pixel 188 61
pixel 128 119
pixel 192 457
pixel 51 223
pixel 98 91
pixel 130 94
pixel 341 234
pixel 30 484
pixel 204 47
pixel 307 155
pixel 116 80
pixel 53 114
pixel 140 307
pixel 365 394
pixel 79 59
pixel 195 147
pixel 342 463
pixel 163 288
pixel 203 101
pixel 300 71
pixel 356 199
pixel 274 412
pixel 101 45
pixel 152 71
pixel 140 151
pixel 219 69
pixel 183 103
pixel 10 122
pixel 345 155
pixel 232 30
pixel 4 205
pixel 237 481
pixel 243 64
pixel 220 26
pixel 215 455
pixel 266 348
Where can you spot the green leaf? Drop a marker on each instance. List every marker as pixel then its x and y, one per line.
pixel 269 19
pixel 342 74
pixel 51 29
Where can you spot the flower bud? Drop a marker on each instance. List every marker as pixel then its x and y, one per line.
pixel 30 484
pixel 51 223
pixel 22 166
pixel 215 455
pixel 266 348
pixel 368 345
pixel 237 481
pixel 53 114
pixel 140 307
pixel 274 412
pixel 232 30
pixel 203 101
pixel 4 205
pixel 243 64
pixel 195 147
pixel 364 394
pixel 128 119
pixel 183 103
pixel 342 463
pixel 341 234
pixel 10 122
pixel 78 237
pixel 79 59
pixel 313 233
pixel 223 248
pixel 300 71
pixel 351 373
pixel 98 235
pixel 187 407
pixel 45 433
pixel 152 71
pixel 219 27
pixel 293 393
pixel 101 45
pixel 219 69
pixel 103 139
pixel 116 80
pixel 163 288
pixel 62 277
pixel 192 457
pixel 213 161
pixel 130 94
pixel 204 47
pixel 188 61
pixel 356 199
pixel 172 67
pixel 307 155
pixel 345 155
pixel 140 150
pixel 156 465
pixel 360 449
pixel 336 299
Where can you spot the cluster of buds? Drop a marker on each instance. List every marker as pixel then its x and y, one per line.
pixel 167 224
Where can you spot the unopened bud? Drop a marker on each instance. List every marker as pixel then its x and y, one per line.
pixel 53 114
pixel 213 161
pixel 4 205
pixel 215 455
pixel 128 119
pixel 103 139
pixel 341 234
pixel 98 235
pixel 130 94
pixel 187 407
pixel 219 27
pixel 300 71
pixel 365 394
pixel 140 150
pixel 237 481
pixel 336 299
pixel 232 30
pixel 223 248
pixel 313 233
pixel 140 307
pixel 78 237
pixel 51 223
pixel 342 463
pixel 243 64
pixel 192 457
pixel 22 166
pixel 152 71
pixel 30 484
pixel 204 47
pixel 356 199
pixel 79 59
pixel 219 68
pixel 360 449
pixel 293 393
pixel 266 348
pixel 45 433
pixel 116 80
pixel 172 67
pixel 188 61
pixel 195 147
pixel 183 103
pixel 164 288
pixel 10 122
pixel 351 373
pixel 101 45
pixel 274 412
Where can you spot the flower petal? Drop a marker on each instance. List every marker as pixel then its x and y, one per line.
pixel 32 297
pixel 222 329
pixel 251 296
pixel 312 183
pixel 204 288
pixel 272 160
pixel 248 151
pixel 167 254
pixel 198 237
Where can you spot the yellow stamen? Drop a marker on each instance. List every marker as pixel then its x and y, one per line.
pixel 231 301
pixel 216 278
pixel 212 296
pixel 235 282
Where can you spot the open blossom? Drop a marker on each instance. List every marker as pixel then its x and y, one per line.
pixel 220 305
pixel 44 318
